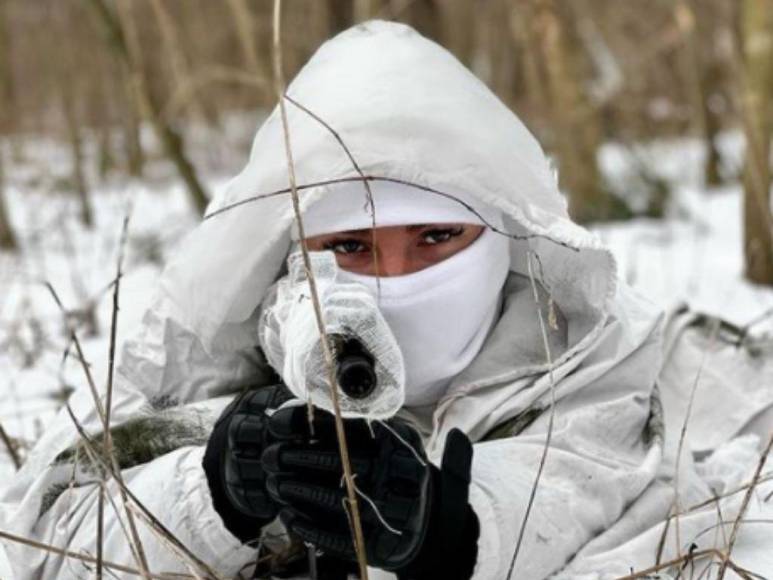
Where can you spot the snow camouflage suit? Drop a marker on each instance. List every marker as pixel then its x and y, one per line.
pixel 407 110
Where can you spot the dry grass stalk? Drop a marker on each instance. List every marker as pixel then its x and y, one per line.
pixel 717 498
pixel 142 562
pixel 127 496
pixel 302 187
pixel 84 557
pixel 744 506
pixel 354 513
pixel 165 541
pixel 358 169
pixel 716 323
pixel 551 417
pixel 183 95
pixel 10 447
pixel 109 395
pixel 683 560
pixel 135 544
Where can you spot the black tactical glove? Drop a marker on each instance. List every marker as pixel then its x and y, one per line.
pixel 232 462
pixel 419 524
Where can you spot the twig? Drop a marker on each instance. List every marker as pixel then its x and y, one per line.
pixel 657 567
pixel 127 495
pixel 104 467
pixel 107 443
pixel 165 540
pixel 84 364
pixel 739 489
pixel 114 324
pixel 683 433
pixel 744 506
pixel 84 557
pixel 365 182
pixel 720 525
pixel 426 188
pixel 11 448
pixel 551 418
pixel 143 565
pixel 359 542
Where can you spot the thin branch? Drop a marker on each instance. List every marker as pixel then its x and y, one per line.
pixel 365 182
pixel 305 186
pixel 103 418
pixel 165 540
pixel 744 506
pixel 84 364
pixel 107 443
pixel 682 436
pixel 104 467
pixel 359 541
pixel 676 561
pixel 127 495
pixel 11 448
pixel 551 419
pixel 84 557
pixel 739 489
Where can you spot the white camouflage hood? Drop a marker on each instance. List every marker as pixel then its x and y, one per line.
pixel 408 111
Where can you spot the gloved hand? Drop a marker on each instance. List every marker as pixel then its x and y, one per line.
pixel 417 521
pixel 232 462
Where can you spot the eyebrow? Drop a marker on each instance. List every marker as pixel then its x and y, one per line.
pixel 366 231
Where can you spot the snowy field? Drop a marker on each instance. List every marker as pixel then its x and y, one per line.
pixel 692 255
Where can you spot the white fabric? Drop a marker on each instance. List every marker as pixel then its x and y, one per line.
pixel 435 345
pixel 407 110
pixel 289 336
pixel 348 207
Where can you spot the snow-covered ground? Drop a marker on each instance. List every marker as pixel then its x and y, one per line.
pixel 692 255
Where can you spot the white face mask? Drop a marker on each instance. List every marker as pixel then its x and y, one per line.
pixel 441 315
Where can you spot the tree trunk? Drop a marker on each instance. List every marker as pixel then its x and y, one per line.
pixel 68 85
pixel 366 9
pixel 76 151
pixel 7 236
pixel 698 73
pixel 712 125
pixel 132 143
pixel 254 44
pixel 757 42
pixel 178 63
pixel 576 122
pixel 171 141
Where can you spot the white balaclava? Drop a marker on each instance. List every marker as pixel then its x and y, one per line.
pixel 440 315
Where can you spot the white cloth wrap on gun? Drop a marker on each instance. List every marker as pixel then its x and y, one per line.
pixel 290 338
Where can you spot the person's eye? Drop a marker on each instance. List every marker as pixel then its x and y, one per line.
pixel 346 246
pixel 440 235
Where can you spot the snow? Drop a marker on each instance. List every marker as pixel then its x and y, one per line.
pixel 693 255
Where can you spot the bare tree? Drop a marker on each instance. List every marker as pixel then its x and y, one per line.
pixel 179 67
pixel 170 139
pixel 75 139
pixel 575 121
pixel 7 236
pixel 69 82
pixel 699 71
pixel 757 83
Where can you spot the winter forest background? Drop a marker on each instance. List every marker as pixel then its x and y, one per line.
pixel 658 115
